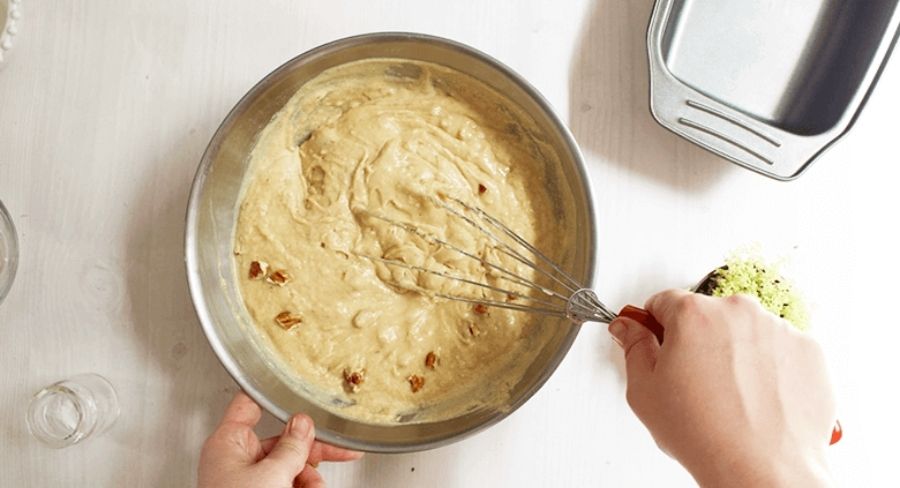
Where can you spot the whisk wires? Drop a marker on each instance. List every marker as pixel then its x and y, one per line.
pixel 574 302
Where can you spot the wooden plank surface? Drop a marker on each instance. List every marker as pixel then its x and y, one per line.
pixel 106 107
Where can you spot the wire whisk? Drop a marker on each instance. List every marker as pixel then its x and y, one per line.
pixel 561 295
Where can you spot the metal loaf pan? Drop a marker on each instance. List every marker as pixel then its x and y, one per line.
pixel 767 84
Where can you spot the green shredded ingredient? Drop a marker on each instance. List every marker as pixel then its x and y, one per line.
pixel 751 276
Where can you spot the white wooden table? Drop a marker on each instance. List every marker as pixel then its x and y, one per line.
pixel 107 105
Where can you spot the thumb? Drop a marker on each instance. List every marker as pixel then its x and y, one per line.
pixel 291 451
pixel 640 346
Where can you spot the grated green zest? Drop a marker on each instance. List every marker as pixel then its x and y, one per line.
pixel 751 276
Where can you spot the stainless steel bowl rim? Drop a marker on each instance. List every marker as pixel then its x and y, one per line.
pixel 191 248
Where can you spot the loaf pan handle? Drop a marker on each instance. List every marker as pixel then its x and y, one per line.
pixel 716 126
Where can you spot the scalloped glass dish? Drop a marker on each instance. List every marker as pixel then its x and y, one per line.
pixel 10 15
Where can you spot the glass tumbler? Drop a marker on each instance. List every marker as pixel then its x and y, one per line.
pixel 70 411
pixel 9 251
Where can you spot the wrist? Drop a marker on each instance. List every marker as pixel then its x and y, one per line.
pixel 774 469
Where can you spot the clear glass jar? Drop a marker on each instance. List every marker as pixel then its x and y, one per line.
pixel 70 411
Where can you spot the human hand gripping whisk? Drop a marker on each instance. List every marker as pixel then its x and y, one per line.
pixel 550 291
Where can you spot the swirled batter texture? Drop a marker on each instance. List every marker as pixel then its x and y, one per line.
pixel 390 139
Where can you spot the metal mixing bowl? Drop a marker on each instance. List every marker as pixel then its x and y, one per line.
pixel 213 208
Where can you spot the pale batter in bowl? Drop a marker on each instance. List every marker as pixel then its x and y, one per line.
pixel 386 137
